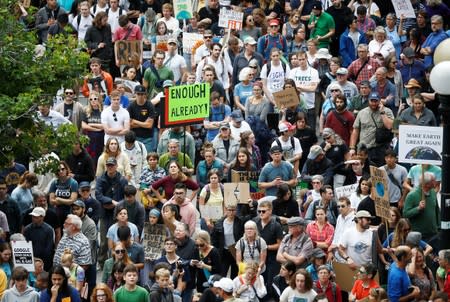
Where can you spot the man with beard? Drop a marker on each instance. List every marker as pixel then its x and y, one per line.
pixel 243 60
pixel 187 143
pixel 70 109
pixel 342 15
pixel 340 119
pixel 321 25
pixel 356 246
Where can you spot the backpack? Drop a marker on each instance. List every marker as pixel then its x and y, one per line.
pixel 292 143
pixel 266 41
pixel 242 246
pixel 107 11
pixel 79 20
pixel 269 67
pixel 208 192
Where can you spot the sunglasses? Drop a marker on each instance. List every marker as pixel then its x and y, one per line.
pixel 335 90
pixel 69 93
pixel 273 26
pixel 262 211
pixel 115 117
pixel 120 251
pixel 200 245
pixel 93 99
pixel 207 37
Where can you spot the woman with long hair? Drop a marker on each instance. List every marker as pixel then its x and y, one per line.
pixel 22 194
pixel 102 293
pixel 171 216
pixel 281 281
pixel 6 259
pixel 394 76
pixel 413 87
pixel 415 41
pixel 362 191
pixel 257 104
pixel 112 149
pixel 76 278
pixel 300 286
pixel 91 124
pixel 320 230
pixel 58 288
pixel 243 163
pixel 248 142
pixel 63 191
pixel 293 23
pixel 157 41
pixel 251 247
pixel 115 281
pixel 272 9
pixel 249 28
pixel 213 195
pixel 249 286
pixel 243 90
pixel 285 206
pixel 207 259
pixel 420 275
pixel 168 183
pixel 260 20
pixel 334 146
pixel 118 254
pixel 98 38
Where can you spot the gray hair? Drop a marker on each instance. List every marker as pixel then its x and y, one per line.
pixel 379 30
pixel 17 237
pixel 173 141
pixel 437 18
pixel 363 46
pixel 427 177
pixel 75 220
pixel 243 74
pixel 317 177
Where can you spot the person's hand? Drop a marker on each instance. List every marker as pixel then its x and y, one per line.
pixel 352 152
pixel 101 45
pixel 327 147
pixel 277 181
pixel 416 291
pixel 414 252
pixel 50 21
pixel 200 264
pixel 54 290
pixel 422 205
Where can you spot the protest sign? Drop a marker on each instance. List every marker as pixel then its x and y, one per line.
pixel 250 177
pixel 380 194
pixel 214 212
pixel 189 40
pixel 185 105
pixel 286 98
pixel 182 9
pixel 23 254
pixel 345 191
pixel 124 49
pixel 403 7
pixel 153 243
pixel 161 42
pixel 229 18
pixel 420 144
pixel 236 192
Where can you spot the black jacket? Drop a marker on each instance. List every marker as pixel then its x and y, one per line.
pixel 82 166
pixel 94 36
pixel 218 236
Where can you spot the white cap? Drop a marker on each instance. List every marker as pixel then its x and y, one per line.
pixel 225 283
pixel 38 211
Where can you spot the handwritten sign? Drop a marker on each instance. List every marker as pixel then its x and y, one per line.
pixel 182 9
pixel 23 254
pixel 250 177
pixel 420 144
pixel 236 193
pixel 229 18
pixel 404 7
pixel 345 191
pixel 124 49
pixel 286 98
pixel 153 243
pixel 189 40
pixel 214 212
pixel 380 193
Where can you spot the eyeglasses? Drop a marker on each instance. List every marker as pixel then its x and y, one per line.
pixel 120 251
pixel 69 93
pixel 262 211
pixel 115 117
pixel 93 99
pixel 334 90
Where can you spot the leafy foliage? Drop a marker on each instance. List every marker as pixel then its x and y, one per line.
pixel 25 78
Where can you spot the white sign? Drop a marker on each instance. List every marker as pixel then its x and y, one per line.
pixel 229 18
pixel 420 145
pixel 214 212
pixel 189 41
pixel 23 254
pixel 403 7
pixel 345 191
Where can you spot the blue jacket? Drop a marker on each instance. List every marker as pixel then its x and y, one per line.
pixel 433 41
pixel 347 48
pixel 108 189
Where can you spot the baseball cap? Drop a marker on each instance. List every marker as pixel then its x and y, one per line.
pixel 374 96
pixel 236 115
pixel 363 214
pixel 79 203
pixel 84 184
pixel 250 40
pixel 318 253
pixel 167 83
pixel 315 151
pixel 317 5
pixel 111 161
pixel 274 22
pixel 225 283
pixel 172 40
pixel 139 89
pixel 226 125
pixel 38 211
pixel 285 126
pixel 364 83
pixel 409 52
pixel 342 70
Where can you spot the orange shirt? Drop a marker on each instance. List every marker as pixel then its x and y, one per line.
pixel 360 292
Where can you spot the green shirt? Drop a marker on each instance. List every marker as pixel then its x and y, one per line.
pixel 425 221
pixel 137 295
pixel 324 23
pixel 166 158
pixel 164 74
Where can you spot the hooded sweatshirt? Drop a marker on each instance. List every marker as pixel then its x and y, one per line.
pixel 160 295
pixel 13 295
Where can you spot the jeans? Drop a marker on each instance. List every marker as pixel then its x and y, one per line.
pixel 147 141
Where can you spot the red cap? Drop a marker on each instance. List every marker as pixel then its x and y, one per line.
pixel 274 22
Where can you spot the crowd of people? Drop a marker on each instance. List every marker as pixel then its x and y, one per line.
pixel 359 71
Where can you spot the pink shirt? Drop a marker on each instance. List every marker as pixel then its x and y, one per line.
pixel 188 213
pixel 121 33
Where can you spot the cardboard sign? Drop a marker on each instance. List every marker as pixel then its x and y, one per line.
pixel 161 42
pixel 345 191
pixel 231 19
pixel 185 105
pixel 22 253
pixel 380 193
pixel 214 212
pixel 189 40
pixel 236 192
pixel 404 7
pixel 252 179
pixel 286 98
pixel 182 9
pixel 153 243
pixel 345 276
pixel 124 50
pixel 420 144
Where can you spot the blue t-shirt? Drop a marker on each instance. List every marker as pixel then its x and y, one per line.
pixel 243 92
pixel 217 114
pixel 74 296
pixel 398 283
pixel 269 172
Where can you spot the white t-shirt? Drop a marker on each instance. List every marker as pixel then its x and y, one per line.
pixel 115 120
pixel 305 77
pixel 275 80
pixel 98 9
pixel 373 8
pixel 219 67
pixel 358 245
pixel 175 64
pixel 85 23
pixel 172 24
pixel 201 52
pixel 113 19
pixel 293 295
pixel 236 132
pixel 286 146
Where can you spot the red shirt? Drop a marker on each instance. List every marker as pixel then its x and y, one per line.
pixel 447 283
pixel 334 123
pixel 324 235
pixel 121 33
pixel 360 291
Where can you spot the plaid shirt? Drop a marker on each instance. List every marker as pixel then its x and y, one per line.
pixel 366 73
pixel 317 235
pixel 366 25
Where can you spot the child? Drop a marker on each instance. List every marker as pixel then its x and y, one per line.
pixel 160 290
pixel 20 291
pixel 38 268
pixel 130 291
pixel 41 281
